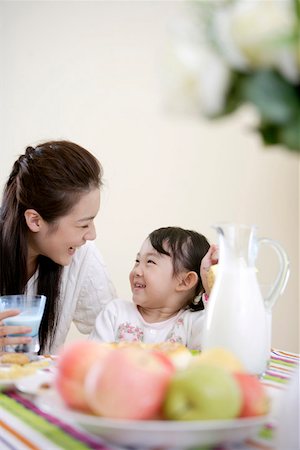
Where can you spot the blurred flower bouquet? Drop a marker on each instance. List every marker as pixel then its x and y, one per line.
pixel 235 52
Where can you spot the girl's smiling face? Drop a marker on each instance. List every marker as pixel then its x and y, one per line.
pixel 59 241
pixel 152 280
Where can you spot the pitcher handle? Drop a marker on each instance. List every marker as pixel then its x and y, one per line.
pixel 283 273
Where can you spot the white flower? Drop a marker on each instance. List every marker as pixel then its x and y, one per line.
pixel 213 83
pixel 253 34
pixel 198 76
pixel 222 32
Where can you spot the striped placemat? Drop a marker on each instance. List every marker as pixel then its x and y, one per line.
pixel 52 431
pixel 280 368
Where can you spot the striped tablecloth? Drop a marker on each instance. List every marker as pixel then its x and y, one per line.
pixel 24 426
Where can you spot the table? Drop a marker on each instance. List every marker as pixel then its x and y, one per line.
pixel 23 426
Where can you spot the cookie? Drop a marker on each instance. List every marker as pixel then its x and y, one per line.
pixel 15 358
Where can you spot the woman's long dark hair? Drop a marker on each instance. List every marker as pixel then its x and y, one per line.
pixel 186 249
pixel 49 178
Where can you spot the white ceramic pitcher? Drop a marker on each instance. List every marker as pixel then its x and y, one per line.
pixel 238 317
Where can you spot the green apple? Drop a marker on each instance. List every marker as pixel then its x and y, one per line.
pixel 202 393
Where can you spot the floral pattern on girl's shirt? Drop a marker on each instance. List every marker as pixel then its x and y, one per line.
pixel 128 332
pixel 175 334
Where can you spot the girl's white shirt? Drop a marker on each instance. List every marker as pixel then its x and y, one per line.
pixel 86 288
pixel 120 320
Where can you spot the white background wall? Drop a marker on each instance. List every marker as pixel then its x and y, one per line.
pixel 91 72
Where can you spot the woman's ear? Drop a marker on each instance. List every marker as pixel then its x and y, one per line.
pixel 187 281
pixel 33 220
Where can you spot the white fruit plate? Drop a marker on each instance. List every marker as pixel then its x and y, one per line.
pixel 155 433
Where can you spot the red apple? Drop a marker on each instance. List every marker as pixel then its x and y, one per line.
pixel 255 400
pixel 130 385
pixel 73 364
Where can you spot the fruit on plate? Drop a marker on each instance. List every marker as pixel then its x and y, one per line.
pixel 201 393
pixel 219 357
pixel 178 353
pixel 255 398
pixel 72 366
pixel 131 384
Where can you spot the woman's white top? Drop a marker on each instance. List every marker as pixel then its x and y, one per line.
pixel 86 288
pixel 120 320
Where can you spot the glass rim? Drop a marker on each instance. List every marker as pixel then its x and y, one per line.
pixel 32 296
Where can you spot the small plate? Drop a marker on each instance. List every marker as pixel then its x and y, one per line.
pixel 5 383
pixel 35 384
pixel 10 374
pixel 155 433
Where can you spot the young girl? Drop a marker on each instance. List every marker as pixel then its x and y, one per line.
pixel 166 292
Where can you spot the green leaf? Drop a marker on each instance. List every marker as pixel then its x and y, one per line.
pixel 269 133
pixel 289 135
pixel 233 97
pixel 297 9
pixel 276 100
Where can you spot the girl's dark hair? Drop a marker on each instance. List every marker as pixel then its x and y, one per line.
pixel 186 248
pixel 49 178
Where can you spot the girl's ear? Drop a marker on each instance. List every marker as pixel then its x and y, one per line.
pixel 187 281
pixel 33 220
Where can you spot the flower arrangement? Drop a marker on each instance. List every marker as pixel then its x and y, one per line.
pixel 235 52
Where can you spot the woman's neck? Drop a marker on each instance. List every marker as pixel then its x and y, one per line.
pixel 32 263
pixel 32 256
pixel 31 269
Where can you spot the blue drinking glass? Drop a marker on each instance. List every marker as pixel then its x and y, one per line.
pixel 31 312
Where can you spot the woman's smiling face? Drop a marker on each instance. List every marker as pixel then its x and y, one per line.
pixel 59 241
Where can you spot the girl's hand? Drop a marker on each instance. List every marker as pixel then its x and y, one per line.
pixel 6 330
pixel 211 258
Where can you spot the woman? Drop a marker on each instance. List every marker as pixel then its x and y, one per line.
pixel 47 218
